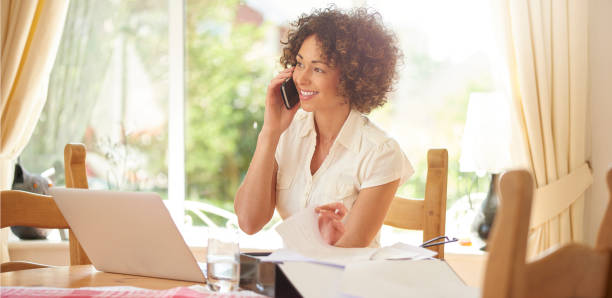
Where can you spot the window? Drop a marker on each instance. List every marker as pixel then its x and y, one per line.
pixel 117 87
pixel 109 90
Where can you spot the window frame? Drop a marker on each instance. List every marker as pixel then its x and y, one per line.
pixel 176 111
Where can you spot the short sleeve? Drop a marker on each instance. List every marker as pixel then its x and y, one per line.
pixel 385 163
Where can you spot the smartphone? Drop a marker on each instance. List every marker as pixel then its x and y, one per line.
pixel 289 93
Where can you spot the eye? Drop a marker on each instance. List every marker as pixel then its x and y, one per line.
pixel 319 70
pixel 299 64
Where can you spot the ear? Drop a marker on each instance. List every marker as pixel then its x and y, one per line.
pixel 18 178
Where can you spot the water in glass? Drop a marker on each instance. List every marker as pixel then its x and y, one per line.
pixel 223 261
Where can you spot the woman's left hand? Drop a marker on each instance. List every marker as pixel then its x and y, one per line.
pixel 330 224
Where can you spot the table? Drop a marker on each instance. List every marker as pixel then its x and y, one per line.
pixel 469 268
pixel 84 276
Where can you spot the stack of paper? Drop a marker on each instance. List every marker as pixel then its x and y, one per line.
pixel 360 272
pixel 303 242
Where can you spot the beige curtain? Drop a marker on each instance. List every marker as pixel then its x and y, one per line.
pixel 545 43
pixel 31 31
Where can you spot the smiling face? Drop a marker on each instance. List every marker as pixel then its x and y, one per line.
pixel 316 81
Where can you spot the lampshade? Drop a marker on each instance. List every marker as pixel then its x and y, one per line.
pixel 487 136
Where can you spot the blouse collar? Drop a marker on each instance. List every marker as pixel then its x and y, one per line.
pixel 348 135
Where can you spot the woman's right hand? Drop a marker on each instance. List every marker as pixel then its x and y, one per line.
pixel 330 221
pixel 276 117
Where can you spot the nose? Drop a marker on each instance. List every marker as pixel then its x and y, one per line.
pixel 301 77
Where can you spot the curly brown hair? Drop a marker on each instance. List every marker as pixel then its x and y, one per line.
pixel 356 42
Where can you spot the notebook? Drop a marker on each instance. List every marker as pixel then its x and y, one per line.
pixel 128 233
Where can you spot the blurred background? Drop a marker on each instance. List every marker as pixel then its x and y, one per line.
pixel 111 89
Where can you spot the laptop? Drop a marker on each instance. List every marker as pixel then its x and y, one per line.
pixel 128 233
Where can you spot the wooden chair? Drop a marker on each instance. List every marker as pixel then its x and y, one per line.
pixel 19 208
pixel 429 214
pixel 574 270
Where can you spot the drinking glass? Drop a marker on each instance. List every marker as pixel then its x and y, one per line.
pixel 223 259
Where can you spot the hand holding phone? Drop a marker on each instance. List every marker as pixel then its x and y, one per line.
pixel 289 93
pixel 277 118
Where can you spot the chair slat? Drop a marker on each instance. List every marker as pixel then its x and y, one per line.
pixel 405 213
pixel 76 177
pixel 20 208
pixel 435 197
pixel 74 163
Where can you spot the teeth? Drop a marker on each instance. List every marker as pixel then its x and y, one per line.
pixel 307 93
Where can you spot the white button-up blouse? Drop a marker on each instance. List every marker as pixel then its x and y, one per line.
pixel 362 156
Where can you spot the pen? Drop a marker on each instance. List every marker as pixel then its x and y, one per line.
pixel 445 240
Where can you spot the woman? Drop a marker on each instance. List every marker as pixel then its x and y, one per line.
pixel 328 154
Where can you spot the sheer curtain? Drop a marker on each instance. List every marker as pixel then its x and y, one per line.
pixel 545 44
pixel 31 31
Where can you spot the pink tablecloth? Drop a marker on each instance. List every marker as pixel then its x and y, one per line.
pixel 179 292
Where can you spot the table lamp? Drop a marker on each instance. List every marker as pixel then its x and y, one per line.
pixel 485 149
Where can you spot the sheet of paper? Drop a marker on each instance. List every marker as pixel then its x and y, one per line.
pixel 300 234
pixel 422 278
pixel 284 255
pixel 287 255
pixel 403 251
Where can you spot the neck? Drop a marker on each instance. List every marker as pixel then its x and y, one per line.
pixel 328 125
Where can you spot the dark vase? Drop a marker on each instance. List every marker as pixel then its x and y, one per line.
pixel 484 218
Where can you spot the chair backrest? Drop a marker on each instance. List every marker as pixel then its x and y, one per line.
pixel 574 270
pixel 21 208
pixel 429 214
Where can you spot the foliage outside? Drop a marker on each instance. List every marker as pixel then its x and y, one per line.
pixel 226 84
